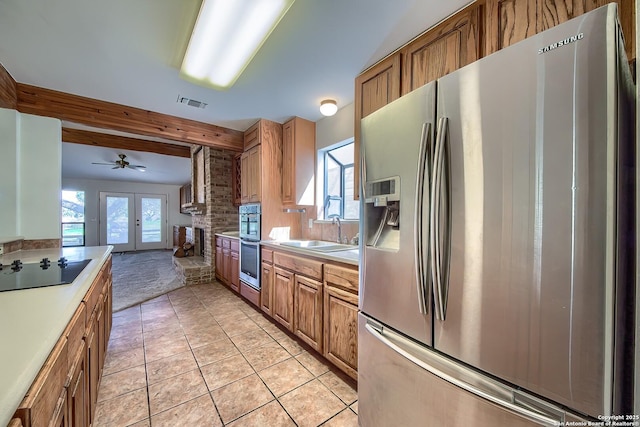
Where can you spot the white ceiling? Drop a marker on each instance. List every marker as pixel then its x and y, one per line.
pixel 77 162
pixel 129 52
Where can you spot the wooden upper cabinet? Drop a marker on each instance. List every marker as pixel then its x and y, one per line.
pixel 448 46
pixel 250 175
pixel 510 21
pixel 375 88
pixel 378 86
pixel 252 136
pixel 298 162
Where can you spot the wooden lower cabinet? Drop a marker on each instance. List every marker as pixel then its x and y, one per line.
pixel 283 294
pixel 308 311
pixel 93 370
pixel 226 269
pixel 228 262
pixel 219 263
pixel 341 329
pixel 40 405
pixel 77 414
pixel 316 301
pixel 65 391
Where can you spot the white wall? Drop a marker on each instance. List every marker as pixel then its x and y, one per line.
pixel 92 189
pixel 329 131
pixel 30 180
pixel 8 173
pixel 336 128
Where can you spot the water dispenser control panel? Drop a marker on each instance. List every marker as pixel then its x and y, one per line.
pixel 382 191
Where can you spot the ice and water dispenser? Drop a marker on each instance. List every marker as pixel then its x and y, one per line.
pixel 382 213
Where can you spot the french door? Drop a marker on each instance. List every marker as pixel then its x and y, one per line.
pixel 133 221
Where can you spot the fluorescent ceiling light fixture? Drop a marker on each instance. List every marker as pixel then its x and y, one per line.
pixel 328 107
pixel 227 35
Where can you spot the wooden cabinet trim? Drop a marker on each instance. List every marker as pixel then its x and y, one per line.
pixel 266 288
pixel 15 422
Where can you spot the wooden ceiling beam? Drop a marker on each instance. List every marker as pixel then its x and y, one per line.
pixel 8 96
pixel 107 115
pixel 95 139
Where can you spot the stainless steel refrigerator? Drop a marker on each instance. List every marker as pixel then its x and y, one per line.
pixel 497 278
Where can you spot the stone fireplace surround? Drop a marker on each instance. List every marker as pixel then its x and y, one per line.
pixel 218 215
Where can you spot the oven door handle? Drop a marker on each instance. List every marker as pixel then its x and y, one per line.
pixel 249 242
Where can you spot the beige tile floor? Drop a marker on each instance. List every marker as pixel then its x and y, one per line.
pixel 202 356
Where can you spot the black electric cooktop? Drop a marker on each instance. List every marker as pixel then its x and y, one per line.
pixel 16 276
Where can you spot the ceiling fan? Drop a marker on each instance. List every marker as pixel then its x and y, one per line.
pixel 122 163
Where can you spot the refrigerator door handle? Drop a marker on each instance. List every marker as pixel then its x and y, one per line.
pixel 436 250
pixel 468 380
pixel 424 162
pixel 363 172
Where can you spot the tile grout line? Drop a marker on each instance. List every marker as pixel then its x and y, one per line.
pixel 247 312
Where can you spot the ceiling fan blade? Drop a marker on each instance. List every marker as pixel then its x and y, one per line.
pixel 106 164
pixel 116 167
pixel 137 167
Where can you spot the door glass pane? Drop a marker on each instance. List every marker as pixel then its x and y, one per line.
pixel 150 222
pixel 117 220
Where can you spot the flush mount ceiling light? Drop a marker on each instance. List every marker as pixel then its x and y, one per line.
pixel 225 38
pixel 328 107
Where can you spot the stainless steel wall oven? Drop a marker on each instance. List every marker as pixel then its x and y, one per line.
pixel 249 245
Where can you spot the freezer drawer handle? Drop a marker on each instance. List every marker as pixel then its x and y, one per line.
pixel 424 162
pixel 487 389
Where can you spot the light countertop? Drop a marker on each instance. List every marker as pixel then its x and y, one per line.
pixel 32 321
pixel 229 234
pixel 350 256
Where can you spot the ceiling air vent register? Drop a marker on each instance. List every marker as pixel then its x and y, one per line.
pixel 191 102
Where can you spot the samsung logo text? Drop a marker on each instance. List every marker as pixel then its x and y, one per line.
pixel 564 42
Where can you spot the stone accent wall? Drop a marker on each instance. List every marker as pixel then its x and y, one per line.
pixel 220 214
pixel 21 244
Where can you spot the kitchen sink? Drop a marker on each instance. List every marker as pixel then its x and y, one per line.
pixel 317 245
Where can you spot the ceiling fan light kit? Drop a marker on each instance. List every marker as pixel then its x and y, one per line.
pixel 225 38
pixel 122 164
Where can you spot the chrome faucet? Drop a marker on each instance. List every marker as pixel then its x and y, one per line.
pixel 336 218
